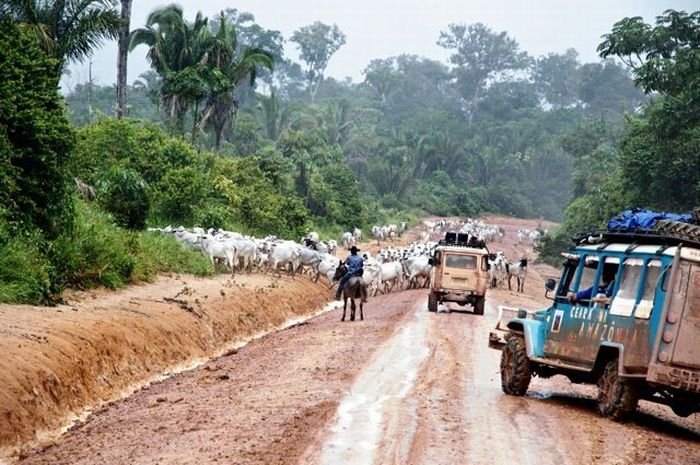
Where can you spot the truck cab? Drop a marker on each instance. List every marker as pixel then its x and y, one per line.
pixel 459 272
pixel 643 342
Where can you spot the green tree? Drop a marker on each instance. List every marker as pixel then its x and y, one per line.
pixel 251 35
pixel 664 58
pixel 480 54
pixel 235 68
pixel 35 136
pixel 660 157
pixel 177 52
pixel 607 87
pixel 67 30
pixel 556 78
pixel 317 43
pixel 273 114
pixel 380 77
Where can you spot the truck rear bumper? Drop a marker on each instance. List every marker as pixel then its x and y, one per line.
pixel 684 379
pixel 446 295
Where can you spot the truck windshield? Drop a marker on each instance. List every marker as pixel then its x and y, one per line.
pixel 467 262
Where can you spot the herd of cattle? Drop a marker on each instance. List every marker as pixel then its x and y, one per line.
pixel 391 268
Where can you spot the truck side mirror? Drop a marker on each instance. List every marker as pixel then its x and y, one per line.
pixel 549 286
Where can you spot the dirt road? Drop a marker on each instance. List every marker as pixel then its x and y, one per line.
pixel 404 386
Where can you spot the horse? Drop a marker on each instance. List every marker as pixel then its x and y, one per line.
pixel 354 289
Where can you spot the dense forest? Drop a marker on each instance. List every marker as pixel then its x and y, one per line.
pixel 227 131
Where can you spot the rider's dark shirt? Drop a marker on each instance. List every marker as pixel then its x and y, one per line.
pixel 354 264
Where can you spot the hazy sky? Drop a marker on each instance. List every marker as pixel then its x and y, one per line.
pixel 383 28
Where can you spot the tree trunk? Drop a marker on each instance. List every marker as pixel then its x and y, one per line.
pixel 122 58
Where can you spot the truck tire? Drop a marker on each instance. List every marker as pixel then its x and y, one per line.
pixel 479 306
pixel 516 371
pixel 432 302
pixel 617 397
pixel 679 230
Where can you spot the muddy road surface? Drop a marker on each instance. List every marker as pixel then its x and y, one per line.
pixel 404 386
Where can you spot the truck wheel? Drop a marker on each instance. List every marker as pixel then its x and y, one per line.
pixel 516 371
pixel 432 302
pixel 479 306
pixel 617 397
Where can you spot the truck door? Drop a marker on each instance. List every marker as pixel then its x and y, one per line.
pixel 563 319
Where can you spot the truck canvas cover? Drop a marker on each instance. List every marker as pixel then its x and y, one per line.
pixel 636 219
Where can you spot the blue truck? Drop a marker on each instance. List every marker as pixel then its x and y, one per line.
pixel 642 341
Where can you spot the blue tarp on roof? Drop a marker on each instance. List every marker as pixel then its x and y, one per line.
pixel 631 220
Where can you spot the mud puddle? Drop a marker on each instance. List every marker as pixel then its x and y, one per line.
pixel 383 385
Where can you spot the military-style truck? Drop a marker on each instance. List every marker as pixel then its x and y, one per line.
pixel 643 342
pixel 459 272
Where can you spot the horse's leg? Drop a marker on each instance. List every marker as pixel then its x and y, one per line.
pixel 352 308
pixel 362 315
pixel 345 306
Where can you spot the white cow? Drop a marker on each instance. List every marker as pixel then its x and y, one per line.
pixel 218 249
pixel 309 258
pixel 286 254
pixel 347 240
pixel 373 277
pixel 498 270
pixel 327 267
pixel 357 234
pixel 392 272
pixel 246 250
pixel 416 267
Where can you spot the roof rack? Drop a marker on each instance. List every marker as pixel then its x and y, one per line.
pixel 639 236
pixel 454 239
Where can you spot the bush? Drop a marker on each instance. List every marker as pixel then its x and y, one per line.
pixel 179 194
pixel 98 253
pixel 94 253
pixel 25 273
pixel 143 147
pixel 122 192
pixel 158 253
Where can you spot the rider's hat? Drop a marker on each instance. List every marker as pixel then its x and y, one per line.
pixel 354 249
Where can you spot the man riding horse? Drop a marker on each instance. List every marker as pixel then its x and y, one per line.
pixel 354 264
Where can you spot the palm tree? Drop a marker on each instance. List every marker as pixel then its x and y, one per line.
pixel 273 115
pixel 150 82
pixel 236 69
pixel 177 52
pixel 67 30
pixel 122 57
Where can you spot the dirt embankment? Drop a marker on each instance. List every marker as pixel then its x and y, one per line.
pixel 56 362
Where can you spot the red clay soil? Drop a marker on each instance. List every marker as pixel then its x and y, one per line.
pixel 56 362
pixel 262 405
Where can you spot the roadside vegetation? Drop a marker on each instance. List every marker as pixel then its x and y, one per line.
pixel 226 131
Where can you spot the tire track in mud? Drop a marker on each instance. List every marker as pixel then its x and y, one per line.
pixel 457 413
